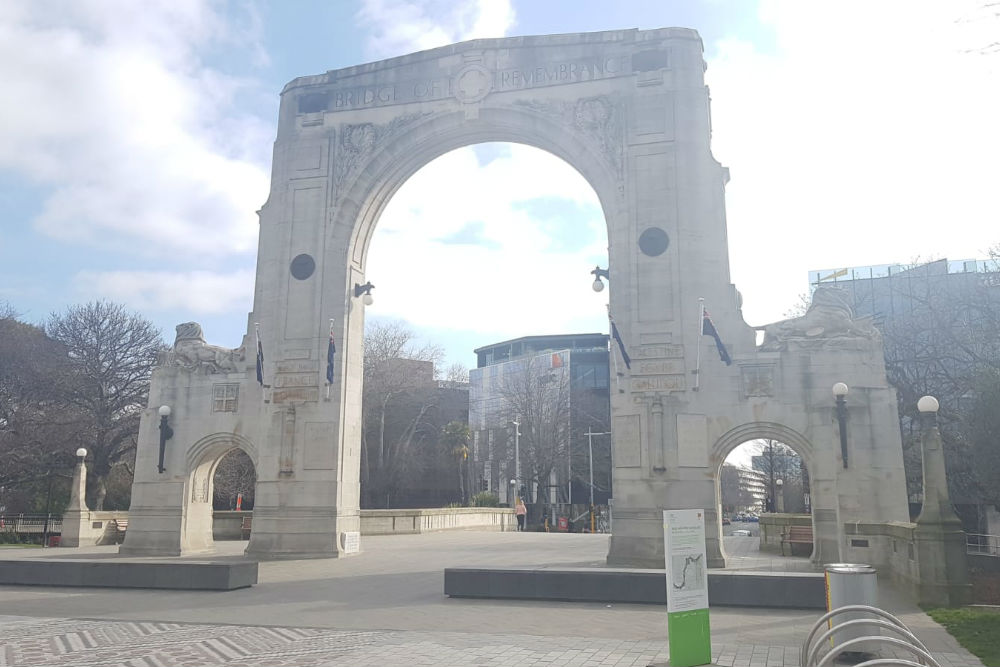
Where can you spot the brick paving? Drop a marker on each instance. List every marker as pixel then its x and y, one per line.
pixel 387 608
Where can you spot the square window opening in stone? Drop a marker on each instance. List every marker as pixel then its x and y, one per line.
pixel 225 397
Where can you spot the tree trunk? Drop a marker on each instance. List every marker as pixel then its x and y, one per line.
pixel 102 492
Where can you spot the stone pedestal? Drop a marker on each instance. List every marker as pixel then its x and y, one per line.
pixel 940 540
pixel 76 517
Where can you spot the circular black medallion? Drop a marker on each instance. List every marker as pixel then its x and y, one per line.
pixel 303 267
pixel 653 241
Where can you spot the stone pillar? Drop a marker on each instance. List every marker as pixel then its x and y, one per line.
pixel 77 516
pixel 940 540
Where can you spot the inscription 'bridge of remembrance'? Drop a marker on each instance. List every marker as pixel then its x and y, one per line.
pixel 629 110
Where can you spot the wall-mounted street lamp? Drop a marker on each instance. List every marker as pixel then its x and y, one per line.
pixel 599 273
pixel 840 391
pixel 165 434
pixel 365 292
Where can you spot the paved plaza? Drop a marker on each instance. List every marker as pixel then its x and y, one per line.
pixel 386 607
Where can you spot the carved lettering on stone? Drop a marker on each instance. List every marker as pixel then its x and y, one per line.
pixel 659 352
pixel 659 383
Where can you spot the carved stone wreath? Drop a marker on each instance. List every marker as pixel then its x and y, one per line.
pixel 358 143
pixel 597 117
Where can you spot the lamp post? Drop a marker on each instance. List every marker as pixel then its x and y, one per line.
pixel 517 457
pixel 940 540
pixel 840 391
pixel 165 434
pixel 780 498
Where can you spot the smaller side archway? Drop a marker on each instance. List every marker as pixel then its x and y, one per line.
pixel 201 463
pixel 730 442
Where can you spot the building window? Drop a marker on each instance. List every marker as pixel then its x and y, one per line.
pixel 225 397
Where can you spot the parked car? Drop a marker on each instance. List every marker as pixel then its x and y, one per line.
pixel 742 533
pixel 726 521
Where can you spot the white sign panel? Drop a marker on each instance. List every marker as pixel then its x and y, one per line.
pixel 684 553
pixel 351 541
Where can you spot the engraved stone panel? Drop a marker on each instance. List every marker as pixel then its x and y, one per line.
pixel 668 367
pixel 295 394
pixel 757 380
pixel 626 430
pixel 295 380
pixel 659 352
pixel 295 366
pixel 660 383
pixel 692 441
pixel 319 446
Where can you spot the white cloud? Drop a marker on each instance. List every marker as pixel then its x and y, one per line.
pixel 518 283
pixel 200 292
pixel 403 26
pixel 112 106
pixel 868 136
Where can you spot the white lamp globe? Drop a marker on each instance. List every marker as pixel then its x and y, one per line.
pixel 840 389
pixel 927 404
pixel 164 411
pixel 598 285
pixel 81 452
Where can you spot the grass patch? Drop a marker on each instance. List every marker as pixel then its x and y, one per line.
pixel 20 546
pixel 978 630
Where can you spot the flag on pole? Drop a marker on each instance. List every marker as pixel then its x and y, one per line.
pixel 621 343
pixel 331 349
pixel 260 356
pixel 708 329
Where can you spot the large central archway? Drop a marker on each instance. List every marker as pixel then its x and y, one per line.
pixel 627 109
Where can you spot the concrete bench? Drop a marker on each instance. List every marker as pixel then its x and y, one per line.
pixel 805 590
pixel 796 535
pixel 114 573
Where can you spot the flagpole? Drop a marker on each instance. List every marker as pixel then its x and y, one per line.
pixel 256 333
pixel 328 354
pixel 701 328
pixel 614 357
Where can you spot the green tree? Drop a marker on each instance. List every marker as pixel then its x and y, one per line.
pixel 111 352
pixel 455 436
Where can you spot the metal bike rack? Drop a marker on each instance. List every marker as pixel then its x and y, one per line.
pixel 812 649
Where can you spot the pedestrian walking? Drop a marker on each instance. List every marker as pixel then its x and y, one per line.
pixel 520 510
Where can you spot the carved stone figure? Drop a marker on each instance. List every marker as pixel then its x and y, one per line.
pixel 829 316
pixel 191 352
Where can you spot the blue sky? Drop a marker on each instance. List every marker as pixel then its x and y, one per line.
pixel 135 145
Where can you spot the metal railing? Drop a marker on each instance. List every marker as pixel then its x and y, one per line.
pixel 985 545
pixel 813 655
pixel 30 524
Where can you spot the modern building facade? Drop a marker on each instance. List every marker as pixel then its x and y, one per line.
pixel 556 389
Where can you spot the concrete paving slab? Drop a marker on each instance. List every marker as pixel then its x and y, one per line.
pixel 394 589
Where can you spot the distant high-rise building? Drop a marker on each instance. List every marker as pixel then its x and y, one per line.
pixel 557 387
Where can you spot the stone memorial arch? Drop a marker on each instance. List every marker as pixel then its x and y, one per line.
pixel 629 110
